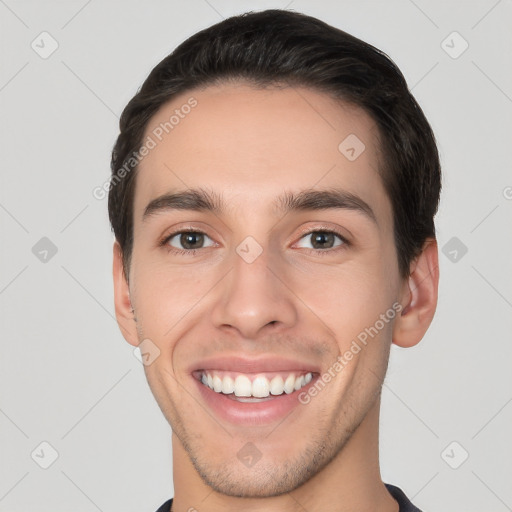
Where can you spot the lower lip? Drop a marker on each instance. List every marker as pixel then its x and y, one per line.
pixel 251 413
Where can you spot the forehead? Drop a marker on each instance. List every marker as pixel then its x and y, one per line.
pixel 251 144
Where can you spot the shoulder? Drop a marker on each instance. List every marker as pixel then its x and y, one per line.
pixel 403 501
pixel 166 507
pixel 397 493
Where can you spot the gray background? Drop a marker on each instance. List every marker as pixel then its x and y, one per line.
pixel 69 379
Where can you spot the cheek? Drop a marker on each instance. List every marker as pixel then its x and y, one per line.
pixel 169 300
pixel 344 296
pixel 350 303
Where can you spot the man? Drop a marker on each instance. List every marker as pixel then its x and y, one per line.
pixel 273 193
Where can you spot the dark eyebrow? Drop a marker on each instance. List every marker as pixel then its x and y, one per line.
pixel 327 199
pixel 200 199
pixel 193 199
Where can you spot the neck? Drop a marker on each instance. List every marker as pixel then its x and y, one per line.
pixel 351 481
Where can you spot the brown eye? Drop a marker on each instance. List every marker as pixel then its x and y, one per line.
pixel 323 239
pixel 191 240
pixel 187 240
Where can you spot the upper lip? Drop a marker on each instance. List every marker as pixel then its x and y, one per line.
pixel 263 364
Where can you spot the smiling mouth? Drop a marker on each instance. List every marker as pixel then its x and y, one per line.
pixel 255 387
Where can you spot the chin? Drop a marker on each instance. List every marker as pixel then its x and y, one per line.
pixel 263 482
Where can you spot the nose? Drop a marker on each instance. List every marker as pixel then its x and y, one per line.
pixel 254 298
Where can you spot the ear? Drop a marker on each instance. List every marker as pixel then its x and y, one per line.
pixel 418 297
pixel 124 315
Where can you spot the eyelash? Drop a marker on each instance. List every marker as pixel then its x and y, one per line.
pixel 192 252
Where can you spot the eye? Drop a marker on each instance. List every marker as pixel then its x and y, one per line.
pixel 322 239
pixel 186 241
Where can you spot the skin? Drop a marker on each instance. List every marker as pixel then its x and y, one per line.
pixel 249 145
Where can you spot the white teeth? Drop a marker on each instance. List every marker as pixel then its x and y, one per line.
pixel 277 385
pixel 228 385
pixel 243 386
pixel 289 384
pixel 217 383
pixel 260 387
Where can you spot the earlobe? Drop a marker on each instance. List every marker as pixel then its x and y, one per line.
pixel 419 298
pixel 123 306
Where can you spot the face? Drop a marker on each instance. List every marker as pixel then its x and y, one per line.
pixel 263 253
